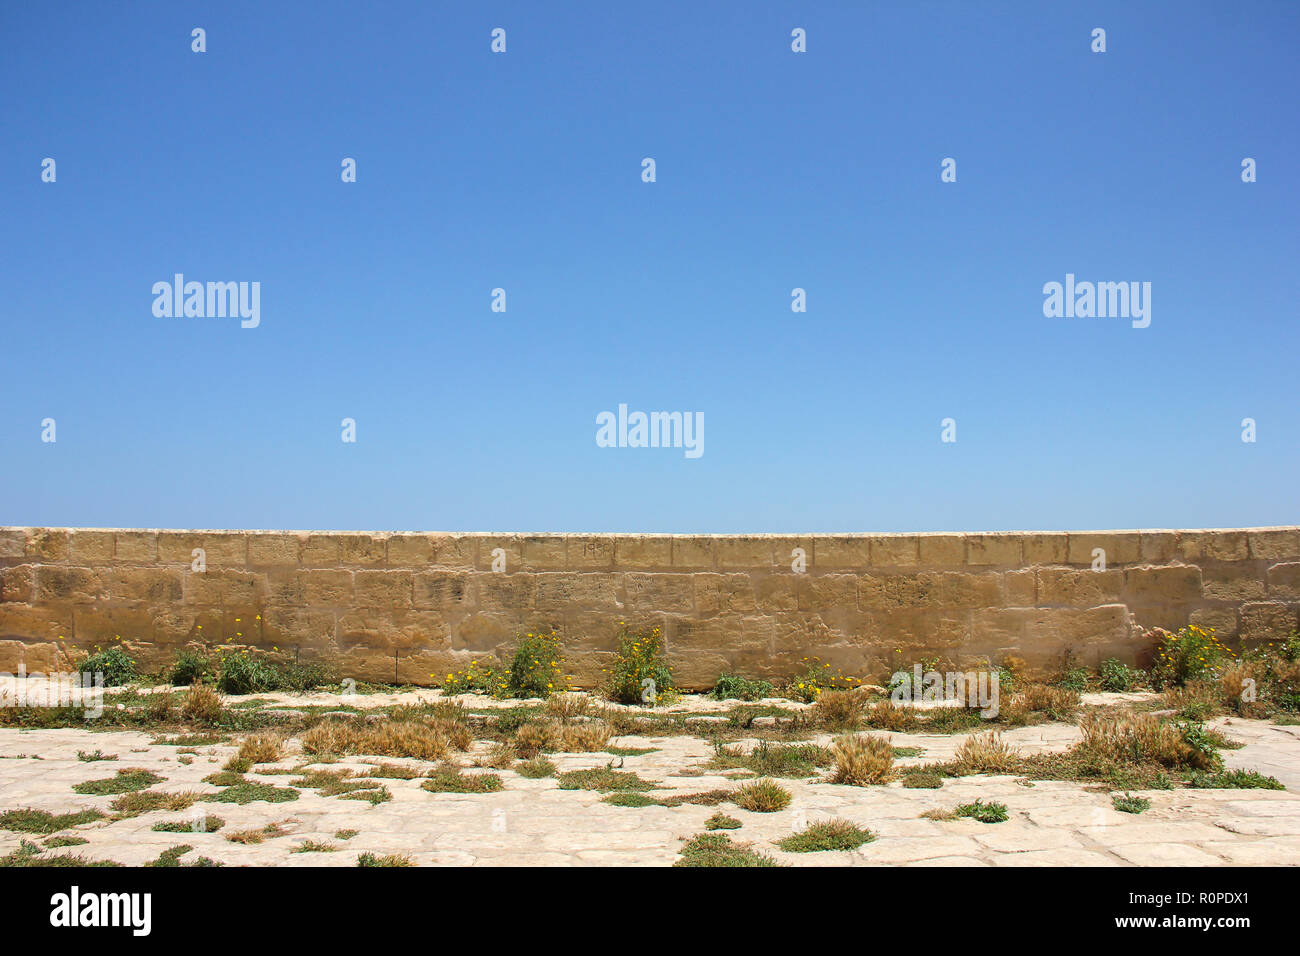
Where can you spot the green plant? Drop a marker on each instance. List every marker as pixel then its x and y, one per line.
pixel 1233 780
pixel 602 779
pixel 1116 676
pixel 43 822
pixel 94 755
pixel 478 678
pixel 192 667
pixel 923 780
pixel 208 824
pixel 1130 804
pixel 389 859
pixel 453 781
pixel 716 849
pixel 132 778
pixel 1192 653
pixel 762 796
pixel 639 674
pixel 991 812
pixel 114 666
pixel 242 793
pixel 720 821
pixel 735 687
pixel 536 667
pixel 816 678
pixel 536 768
pixel 827 835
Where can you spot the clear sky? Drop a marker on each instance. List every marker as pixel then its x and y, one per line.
pixel 775 170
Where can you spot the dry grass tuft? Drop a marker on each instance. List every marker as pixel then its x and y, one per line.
pixel 838 709
pixel 423 740
pixel 1140 738
pixel 986 753
pixel 861 760
pixel 761 796
pixel 532 739
pixel 568 706
pixel 886 715
pixel 202 704
pixel 261 748
pixel 1059 703
pixel 585 738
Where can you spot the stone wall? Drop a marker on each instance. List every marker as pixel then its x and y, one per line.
pixel 411 607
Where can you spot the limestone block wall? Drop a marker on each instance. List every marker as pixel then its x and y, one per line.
pixel 411 607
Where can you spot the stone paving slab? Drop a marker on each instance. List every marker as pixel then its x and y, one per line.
pixel 532 822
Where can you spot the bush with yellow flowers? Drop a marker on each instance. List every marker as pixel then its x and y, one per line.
pixel 1191 654
pixel 640 675
pixel 816 678
pixel 535 670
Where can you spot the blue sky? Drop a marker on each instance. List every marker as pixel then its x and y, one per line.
pixel 775 170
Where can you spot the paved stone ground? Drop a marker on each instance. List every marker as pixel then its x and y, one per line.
pixel 532 822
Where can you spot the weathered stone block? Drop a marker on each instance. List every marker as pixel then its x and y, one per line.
pixel 751 552
pixel 590 551
pixel 883 592
pixel 1020 588
pixel 1118 547
pixel 268 549
pixel 325 588
pixel 147 585
pixel 1267 621
pixel 387 589
pixel 723 592
pixel 227 588
pixel 693 552
pixel 643 552
pixel 504 592
pixel 543 553
pixel 17 583
pixel 778 592
pixel 564 590
pixel 1274 544
pixel 38 624
pixel 13 542
pixel 223 549
pixel 1044 548
pixel 455 550
pixel 87 547
pixel 993 549
pixel 1213 545
pixel 668 592
pixel 46 545
pixel 410 551
pixel 942 550
pixel 363 550
pixel 284 628
pixel 1157 547
pixel 841 551
pixel 1174 585
pixel 105 626
pixel 1284 581
pixel 1232 582
pixel 895 551
pixel 1220 620
pixel 58 584
pixel 135 547
pixel 442 590
pixel 1079 588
